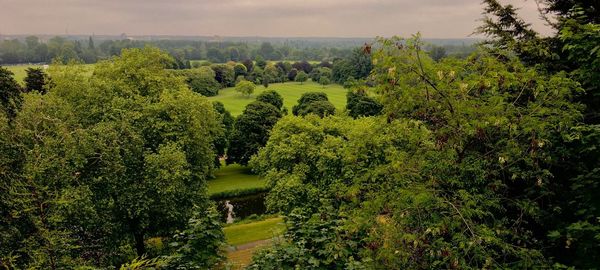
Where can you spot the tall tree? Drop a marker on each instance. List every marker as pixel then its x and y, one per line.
pixel 251 131
pixel 10 94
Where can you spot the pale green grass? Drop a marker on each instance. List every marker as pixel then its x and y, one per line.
pixel 233 177
pixel 291 91
pixel 238 234
pixel 20 73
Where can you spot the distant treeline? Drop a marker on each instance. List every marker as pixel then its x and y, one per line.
pixel 33 49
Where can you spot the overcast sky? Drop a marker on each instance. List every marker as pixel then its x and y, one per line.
pixel 276 18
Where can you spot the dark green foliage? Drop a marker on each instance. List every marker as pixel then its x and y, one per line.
pixel 201 244
pixel 313 102
pixel 221 138
pixel 437 52
pixel 309 233
pixel 291 76
pixel 224 74
pixel 249 64
pixel 303 66
pixel 357 66
pixel 10 94
pixel 35 80
pixel 251 131
pixel 238 193
pixel 201 80
pixel 317 73
pixel 359 104
pixel 571 49
pixel 321 108
pixel 271 97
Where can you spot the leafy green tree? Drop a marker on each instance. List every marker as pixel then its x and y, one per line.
pixel 301 77
pixel 272 73
pixel 358 65
pixel 201 80
pixel 249 64
pixel 291 76
pixel 10 93
pixel 260 62
pixel 251 131
pixel 359 104
pixel 201 244
pixel 224 74
pixel 245 88
pixel 463 146
pixel 303 66
pixel 221 138
pixel 317 73
pixel 240 70
pixel 271 97
pixel 313 102
pixel 324 81
pixel 103 162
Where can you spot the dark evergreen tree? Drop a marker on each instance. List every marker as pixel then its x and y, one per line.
pixel 35 80
pixel 10 93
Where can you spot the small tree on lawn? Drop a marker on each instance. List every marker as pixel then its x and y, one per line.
pixel 246 88
pixel 324 81
pixel 301 77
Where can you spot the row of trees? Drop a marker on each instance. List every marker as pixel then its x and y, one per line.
pixel 209 79
pixel 33 50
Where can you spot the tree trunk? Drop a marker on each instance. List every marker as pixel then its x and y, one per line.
pixel 139 243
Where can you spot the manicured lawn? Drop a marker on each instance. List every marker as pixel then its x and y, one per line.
pixel 238 234
pixel 234 177
pixel 290 91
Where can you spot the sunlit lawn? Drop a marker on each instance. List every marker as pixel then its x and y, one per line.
pixel 290 91
pixel 234 177
pixel 238 234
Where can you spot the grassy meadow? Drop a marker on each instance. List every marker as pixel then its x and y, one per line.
pixel 19 70
pixel 290 91
pixel 234 177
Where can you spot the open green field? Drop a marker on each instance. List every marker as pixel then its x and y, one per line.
pixel 234 177
pixel 290 91
pixel 238 234
pixel 19 70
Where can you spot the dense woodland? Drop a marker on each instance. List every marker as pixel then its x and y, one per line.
pixel 487 161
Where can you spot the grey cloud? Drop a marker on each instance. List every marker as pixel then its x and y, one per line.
pixel 343 18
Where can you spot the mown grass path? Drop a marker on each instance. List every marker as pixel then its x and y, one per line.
pixel 247 238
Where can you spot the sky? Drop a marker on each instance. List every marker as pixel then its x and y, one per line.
pixel 268 18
